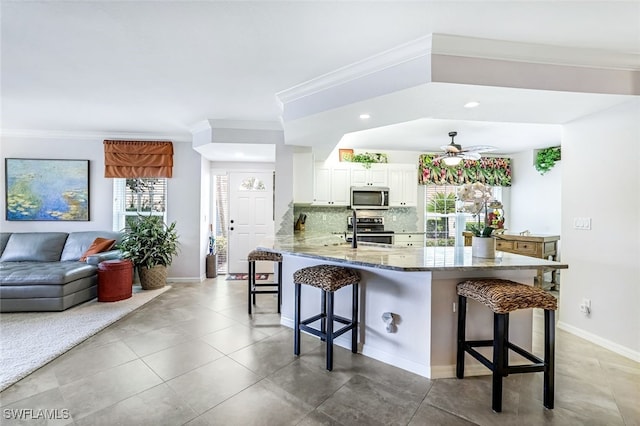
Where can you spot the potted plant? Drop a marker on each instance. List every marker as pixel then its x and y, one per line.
pixel 368 158
pixel 151 245
pixel 546 159
pixel 476 196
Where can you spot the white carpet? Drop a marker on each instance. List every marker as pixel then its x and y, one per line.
pixel 30 340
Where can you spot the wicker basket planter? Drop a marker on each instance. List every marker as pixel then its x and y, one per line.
pixel 152 278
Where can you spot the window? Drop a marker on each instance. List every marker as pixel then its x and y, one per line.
pixel 440 213
pixel 147 196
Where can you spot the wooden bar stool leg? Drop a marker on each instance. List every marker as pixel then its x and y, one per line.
pixel 462 322
pixel 296 321
pixel 354 319
pixel 329 327
pixel 498 360
pixel 549 356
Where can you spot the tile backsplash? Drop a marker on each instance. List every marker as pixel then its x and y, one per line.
pixel 334 219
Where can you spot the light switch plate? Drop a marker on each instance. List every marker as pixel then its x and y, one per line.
pixel 582 223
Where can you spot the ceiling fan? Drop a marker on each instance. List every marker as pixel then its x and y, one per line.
pixel 454 154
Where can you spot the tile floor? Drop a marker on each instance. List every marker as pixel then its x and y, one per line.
pixel 194 357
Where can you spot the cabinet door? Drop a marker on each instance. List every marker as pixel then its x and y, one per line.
pixel 378 175
pixel 359 175
pixel 303 178
pixel 410 187
pixel 396 188
pixel 322 186
pixel 340 188
pixel 403 186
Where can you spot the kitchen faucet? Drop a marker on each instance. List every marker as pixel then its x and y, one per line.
pixel 354 240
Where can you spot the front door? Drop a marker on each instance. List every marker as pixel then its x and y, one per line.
pixel 250 217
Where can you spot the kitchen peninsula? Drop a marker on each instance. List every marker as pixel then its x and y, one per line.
pixel 418 286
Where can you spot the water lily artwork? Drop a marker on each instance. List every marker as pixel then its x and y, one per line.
pixel 47 190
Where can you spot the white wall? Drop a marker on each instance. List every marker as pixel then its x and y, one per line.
pixel 535 199
pixel 601 180
pixel 184 194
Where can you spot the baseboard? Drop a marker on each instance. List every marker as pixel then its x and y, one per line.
pixel 344 341
pixel 607 344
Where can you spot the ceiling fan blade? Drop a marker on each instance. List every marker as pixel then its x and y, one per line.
pixel 479 148
pixel 451 148
pixel 471 155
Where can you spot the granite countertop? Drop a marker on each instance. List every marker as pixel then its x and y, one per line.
pixel 333 248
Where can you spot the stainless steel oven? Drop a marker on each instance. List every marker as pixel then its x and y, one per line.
pixel 369 229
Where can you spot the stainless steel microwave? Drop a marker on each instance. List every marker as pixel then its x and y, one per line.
pixel 369 197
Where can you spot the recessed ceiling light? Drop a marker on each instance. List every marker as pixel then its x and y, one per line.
pixel 471 104
pixel 239 154
pixel 365 116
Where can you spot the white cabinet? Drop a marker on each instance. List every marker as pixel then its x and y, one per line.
pixel 303 178
pixel 408 240
pixel 403 185
pixel 376 175
pixel 331 185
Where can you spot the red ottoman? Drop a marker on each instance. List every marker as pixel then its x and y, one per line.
pixel 115 279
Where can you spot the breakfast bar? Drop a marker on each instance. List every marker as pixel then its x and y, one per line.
pixel 416 288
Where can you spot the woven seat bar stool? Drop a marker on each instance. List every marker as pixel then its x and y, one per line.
pixel 259 288
pixel 502 297
pixel 329 279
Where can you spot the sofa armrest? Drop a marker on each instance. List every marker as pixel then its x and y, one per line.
pixel 94 259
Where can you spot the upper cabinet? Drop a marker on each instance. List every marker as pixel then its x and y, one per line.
pixel 331 185
pixel 303 178
pixel 376 175
pixel 403 185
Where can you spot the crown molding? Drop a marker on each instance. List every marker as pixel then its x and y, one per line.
pixel 61 134
pixel 389 58
pixel 472 47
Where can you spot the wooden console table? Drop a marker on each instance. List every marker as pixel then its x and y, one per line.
pixel 540 246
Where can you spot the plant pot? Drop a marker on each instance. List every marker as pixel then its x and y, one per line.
pixel 483 247
pixel 152 278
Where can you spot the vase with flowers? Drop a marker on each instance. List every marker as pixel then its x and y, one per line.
pixel 478 198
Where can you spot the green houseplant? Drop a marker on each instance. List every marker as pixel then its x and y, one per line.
pixel 151 245
pixel 368 158
pixel 546 159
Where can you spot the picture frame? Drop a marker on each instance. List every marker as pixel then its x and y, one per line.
pixel 345 154
pixel 46 190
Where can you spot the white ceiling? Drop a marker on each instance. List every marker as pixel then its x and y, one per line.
pixel 156 68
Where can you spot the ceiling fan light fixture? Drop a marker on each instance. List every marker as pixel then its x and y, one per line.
pixel 452 160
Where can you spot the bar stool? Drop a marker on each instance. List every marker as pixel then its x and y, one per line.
pixel 329 279
pixel 254 287
pixel 502 297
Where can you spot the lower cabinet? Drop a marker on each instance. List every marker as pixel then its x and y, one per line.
pixel 408 240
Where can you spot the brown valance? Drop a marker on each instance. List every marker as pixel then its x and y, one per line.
pixel 138 159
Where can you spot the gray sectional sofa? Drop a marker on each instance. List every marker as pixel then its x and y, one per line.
pixel 41 271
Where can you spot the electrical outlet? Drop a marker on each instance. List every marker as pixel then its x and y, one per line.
pixel 585 306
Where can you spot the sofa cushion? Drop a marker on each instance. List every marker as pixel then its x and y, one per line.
pixel 34 246
pixel 98 246
pixel 79 242
pixel 4 237
pixel 44 279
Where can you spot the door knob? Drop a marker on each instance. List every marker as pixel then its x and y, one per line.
pixel 231 229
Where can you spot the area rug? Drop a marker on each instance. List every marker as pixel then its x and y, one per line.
pixel 29 340
pixel 259 277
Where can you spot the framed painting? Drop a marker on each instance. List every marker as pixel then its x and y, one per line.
pixel 55 190
pixel 345 154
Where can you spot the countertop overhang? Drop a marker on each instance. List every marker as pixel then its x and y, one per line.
pixel 332 248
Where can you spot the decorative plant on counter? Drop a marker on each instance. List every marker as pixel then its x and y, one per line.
pixel 368 158
pixel 546 159
pixel 476 197
pixel 151 245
